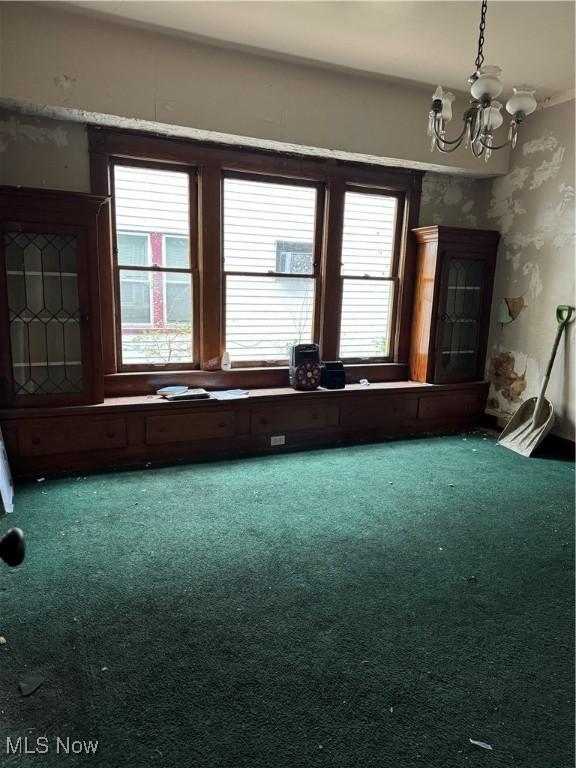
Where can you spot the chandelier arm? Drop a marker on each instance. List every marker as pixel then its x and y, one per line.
pixel 478 127
pixel 449 142
pixel 493 147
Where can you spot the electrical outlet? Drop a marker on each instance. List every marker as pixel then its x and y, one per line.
pixel 278 440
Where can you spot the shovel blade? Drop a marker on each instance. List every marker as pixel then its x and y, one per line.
pixel 526 430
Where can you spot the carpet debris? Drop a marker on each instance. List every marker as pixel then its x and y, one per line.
pixel 40 479
pixel 480 744
pixel 29 684
pixel 472 578
pixel 3 641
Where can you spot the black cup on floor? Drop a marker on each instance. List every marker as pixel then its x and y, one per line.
pixel 13 547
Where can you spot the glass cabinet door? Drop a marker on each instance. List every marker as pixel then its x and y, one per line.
pixel 461 319
pixel 43 313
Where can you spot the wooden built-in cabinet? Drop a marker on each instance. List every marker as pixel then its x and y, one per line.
pixel 137 431
pixel 453 295
pixel 51 351
pixel 52 360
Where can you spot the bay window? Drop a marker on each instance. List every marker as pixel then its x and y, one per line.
pixel 217 249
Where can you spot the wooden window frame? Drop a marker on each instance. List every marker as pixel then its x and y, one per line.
pixel 211 163
pixel 315 275
pixel 152 269
pixel 394 277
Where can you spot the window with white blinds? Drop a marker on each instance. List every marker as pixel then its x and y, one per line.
pixel 152 218
pixel 368 279
pixel 212 253
pixel 269 269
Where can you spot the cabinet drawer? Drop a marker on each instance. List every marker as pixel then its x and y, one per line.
pixel 179 428
pixel 50 437
pixel 459 404
pixel 290 418
pixel 379 413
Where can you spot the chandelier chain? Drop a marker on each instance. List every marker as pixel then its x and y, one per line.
pixel 480 57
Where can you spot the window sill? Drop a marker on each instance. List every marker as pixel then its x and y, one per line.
pixel 148 382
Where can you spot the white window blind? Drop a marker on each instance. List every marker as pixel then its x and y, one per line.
pixel 367 279
pixel 268 237
pixel 152 232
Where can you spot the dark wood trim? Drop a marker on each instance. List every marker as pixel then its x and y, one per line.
pixel 144 146
pixel 100 180
pixel 194 243
pixel 331 179
pixel 479 238
pixel 147 383
pixel 317 265
pixel 6 368
pixel 331 268
pixel 210 266
pixel 407 273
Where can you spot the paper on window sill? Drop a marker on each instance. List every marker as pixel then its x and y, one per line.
pixel 230 394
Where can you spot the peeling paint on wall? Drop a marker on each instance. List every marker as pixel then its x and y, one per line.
pixel 509 309
pixel 15 130
pixel 533 207
pixel 505 379
pixel 548 169
pixel 449 200
pixel 37 152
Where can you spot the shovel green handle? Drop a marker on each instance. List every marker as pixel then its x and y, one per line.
pixel 564 314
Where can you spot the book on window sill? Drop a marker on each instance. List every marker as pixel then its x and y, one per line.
pixel 189 394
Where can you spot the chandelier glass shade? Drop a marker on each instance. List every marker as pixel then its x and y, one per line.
pixel 483 115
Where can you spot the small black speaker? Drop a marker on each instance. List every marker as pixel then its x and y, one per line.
pixel 332 375
pixel 304 368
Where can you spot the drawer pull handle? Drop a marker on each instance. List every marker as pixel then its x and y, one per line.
pixel 315 417
pixel 263 421
pixel 222 424
pixel 35 441
pixel 110 434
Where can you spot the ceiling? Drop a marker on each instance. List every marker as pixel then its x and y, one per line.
pixel 427 41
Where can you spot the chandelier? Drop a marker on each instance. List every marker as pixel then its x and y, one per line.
pixel 483 116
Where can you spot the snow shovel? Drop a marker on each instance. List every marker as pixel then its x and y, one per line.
pixel 535 418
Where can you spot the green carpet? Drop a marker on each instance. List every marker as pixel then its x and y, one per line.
pixel 309 610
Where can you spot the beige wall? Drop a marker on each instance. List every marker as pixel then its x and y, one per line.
pixel 38 152
pixel 533 207
pixel 57 58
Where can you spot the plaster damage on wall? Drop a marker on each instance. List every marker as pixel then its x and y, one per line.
pixel 533 208
pixel 36 152
pixel 66 85
pixel 449 200
pixel 14 129
pixel 508 380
